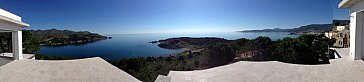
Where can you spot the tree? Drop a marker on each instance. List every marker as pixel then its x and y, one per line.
pixel 218 54
pixel 5 42
pixel 30 42
pixel 306 49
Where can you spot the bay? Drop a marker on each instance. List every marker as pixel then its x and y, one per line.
pixel 137 45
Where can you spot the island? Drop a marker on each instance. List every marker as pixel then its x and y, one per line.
pixel 55 37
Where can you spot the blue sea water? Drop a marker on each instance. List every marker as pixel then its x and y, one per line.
pixel 136 45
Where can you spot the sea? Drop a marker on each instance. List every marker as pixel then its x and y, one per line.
pixel 137 45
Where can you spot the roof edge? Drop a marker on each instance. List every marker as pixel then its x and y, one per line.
pixel 22 24
pixel 347 3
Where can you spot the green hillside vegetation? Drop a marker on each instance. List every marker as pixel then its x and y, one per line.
pixel 54 37
pixel 31 44
pixel 306 49
pixel 33 39
pixel 187 42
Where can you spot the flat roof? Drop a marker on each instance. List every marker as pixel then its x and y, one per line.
pixel 347 3
pixel 22 24
pixel 12 18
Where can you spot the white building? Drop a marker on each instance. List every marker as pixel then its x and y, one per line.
pixel 340 28
pixel 12 23
pixel 328 34
pixel 356 26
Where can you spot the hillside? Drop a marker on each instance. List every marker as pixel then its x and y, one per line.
pixel 313 27
pixel 307 28
pixel 55 37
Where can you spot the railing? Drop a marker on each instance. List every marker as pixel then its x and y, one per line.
pixel 25 56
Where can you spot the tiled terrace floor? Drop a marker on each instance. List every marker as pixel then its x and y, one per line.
pixel 81 70
pixel 8 57
pixel 340 70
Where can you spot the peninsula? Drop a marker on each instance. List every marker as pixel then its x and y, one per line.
pixel 187 42
pixel 55 37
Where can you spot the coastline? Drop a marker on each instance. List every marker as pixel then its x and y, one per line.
pixel 135 46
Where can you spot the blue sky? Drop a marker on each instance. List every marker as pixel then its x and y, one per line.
pixel 169 16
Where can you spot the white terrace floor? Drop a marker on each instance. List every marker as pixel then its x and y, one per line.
pixel 8 57
pixel 98 70
pixel 340 70
pixel 81 70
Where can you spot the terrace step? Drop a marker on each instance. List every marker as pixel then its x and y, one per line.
pixel 162 78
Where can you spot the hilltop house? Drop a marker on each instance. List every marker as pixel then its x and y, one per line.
pixel 342 36
pixel 356 26
pixel 341 33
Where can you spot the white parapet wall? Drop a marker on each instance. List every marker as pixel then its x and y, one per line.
pixel 356 27
pixel 9 15
pixel 356 18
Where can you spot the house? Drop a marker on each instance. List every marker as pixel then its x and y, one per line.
pixel 12 23
pixel 328 34
pixel 341 32
pixel 342 37
pixel 356 26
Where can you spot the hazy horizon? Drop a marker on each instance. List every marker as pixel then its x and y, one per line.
pixel 176 16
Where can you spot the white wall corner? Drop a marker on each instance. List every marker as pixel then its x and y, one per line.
pixel 17 45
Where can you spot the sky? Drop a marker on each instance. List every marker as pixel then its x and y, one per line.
pixel 170 16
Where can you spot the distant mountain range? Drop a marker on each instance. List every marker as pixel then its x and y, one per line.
pixel 307 28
